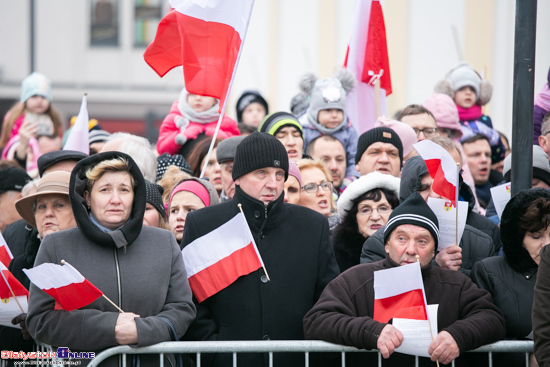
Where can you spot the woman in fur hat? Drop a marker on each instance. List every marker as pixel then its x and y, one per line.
pixel 525 230
pixel 363 208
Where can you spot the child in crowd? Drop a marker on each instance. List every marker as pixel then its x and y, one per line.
pixel 33 126
pixel 540 109
pixel 326 114
pixel 251 108
pixel 190 116
pixel 470 92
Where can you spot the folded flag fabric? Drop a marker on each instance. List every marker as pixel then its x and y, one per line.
pixel 65 284
pixel 205 37
pixel 79 136
pixel 399 293
pixel 442 169
pixel 5 253
pixel 9 284
pixel 217 259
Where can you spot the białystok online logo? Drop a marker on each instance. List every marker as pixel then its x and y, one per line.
pixel 62 353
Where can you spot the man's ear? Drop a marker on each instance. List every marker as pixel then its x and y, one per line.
pixel 387 248
pixel 238 181
pixel 543 143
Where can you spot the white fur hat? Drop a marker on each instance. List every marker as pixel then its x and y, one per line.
pixel 363 184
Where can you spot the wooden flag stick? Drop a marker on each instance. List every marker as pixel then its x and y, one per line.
pixel 429 322
pixel 13 294
pixel 263 266
pixel 63 262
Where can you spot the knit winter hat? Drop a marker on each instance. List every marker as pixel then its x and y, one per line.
pixel 13 179
pixel 248 97
pixel 36 84
pixel 364 184
pixel 413 211
pixel 541 166
pixel 203 189
pixel 294 170
pixel 445 112
pixel 404 131
pixel 259 150
pixel 276 121
pixel 166 160
pixel 154 196
pixel 378 134
pixel 98 136
pixel 227 148
pixel 463 75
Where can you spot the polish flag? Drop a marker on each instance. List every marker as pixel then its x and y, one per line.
pixel 9 284
pixel 5 253
pixel 205 37
pixel 65 284
pixel 399 293
pixel 367 58
pixel 79 137
pixel 217 259
pixel 442 168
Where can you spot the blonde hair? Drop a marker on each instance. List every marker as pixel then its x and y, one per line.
pixel 110 165
pixel 171 177
pixel 306 163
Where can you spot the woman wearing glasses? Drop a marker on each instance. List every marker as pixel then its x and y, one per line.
pixel 316 191
pixel 363 208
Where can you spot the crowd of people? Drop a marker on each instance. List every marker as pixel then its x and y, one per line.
pixel 327 207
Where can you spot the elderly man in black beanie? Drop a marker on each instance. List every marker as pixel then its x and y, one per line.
pixel 379 149
pixel 467 318
pixel 294 244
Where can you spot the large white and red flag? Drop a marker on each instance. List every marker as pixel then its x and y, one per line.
pixel 9 285
pixel 79 137
pixel 217 259
pixel 367 58
pixel 5 253
pixel 205 37
pixel 399 293
pixel 442 168
pixel 65 284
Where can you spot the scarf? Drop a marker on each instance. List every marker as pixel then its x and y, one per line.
pixel 542 99
pixel 469 114
pixel 204 117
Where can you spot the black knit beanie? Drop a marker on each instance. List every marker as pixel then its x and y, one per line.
pixel 378 134
pixel 259 150
pixel 414 211
pixel 154 196
pixel 248 97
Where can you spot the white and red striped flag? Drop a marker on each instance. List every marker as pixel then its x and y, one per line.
pixel 442 168
pixel 5 254
pixel 65 284
pixel 367 58
pixel 399 293
pixel 79 137
pixel 205 37
pixel 9 284
pixel 217 259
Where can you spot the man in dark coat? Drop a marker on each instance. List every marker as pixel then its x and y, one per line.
pixel 294 244
pixel 467 319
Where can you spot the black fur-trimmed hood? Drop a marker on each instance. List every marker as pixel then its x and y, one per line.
pixel 131 230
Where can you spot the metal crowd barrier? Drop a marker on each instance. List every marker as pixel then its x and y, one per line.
pixel 277 346
pixel 267 346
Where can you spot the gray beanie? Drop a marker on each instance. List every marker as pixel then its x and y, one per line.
pixel 227 148
pixel 259 150
pixel 541 166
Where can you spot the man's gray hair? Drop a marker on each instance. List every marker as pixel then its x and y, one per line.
pixel 138 148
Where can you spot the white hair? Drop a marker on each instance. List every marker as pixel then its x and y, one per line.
pixel 138 148
pixel 30 187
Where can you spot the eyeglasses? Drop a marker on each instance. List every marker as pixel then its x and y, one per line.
pixel 312 188
pixel 428 131
pixel 382 210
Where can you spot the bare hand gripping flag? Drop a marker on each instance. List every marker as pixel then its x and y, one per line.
pixel 399 293
pixel 217 259
pixel 65 284
pixel 204 36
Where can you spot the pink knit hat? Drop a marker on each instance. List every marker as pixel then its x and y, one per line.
pixel 294 170
pixel 403 130
pixel 445 112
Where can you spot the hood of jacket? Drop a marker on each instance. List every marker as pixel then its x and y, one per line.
pixel 132 228
pixel 411 175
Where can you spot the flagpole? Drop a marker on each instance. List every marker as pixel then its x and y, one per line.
pixel 226 96
pixel 12 293
pixel 429 322
pixel 263 265
pixel 456 201
pixel 63 262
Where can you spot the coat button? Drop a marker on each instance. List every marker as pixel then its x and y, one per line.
pixel 256 214
pixel 262 235
pixel 263 279
pixel 266 337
